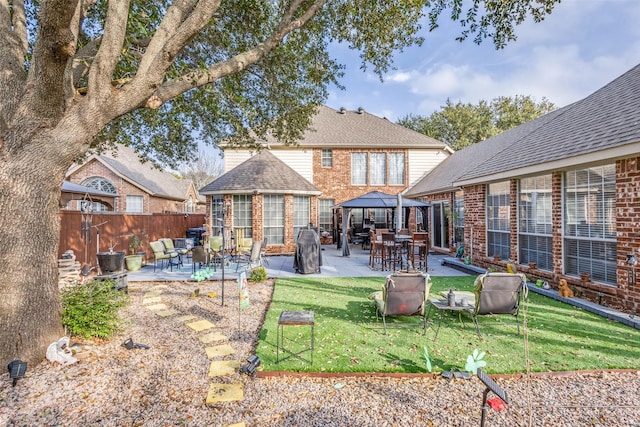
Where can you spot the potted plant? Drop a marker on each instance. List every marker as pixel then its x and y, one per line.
pixel 134 260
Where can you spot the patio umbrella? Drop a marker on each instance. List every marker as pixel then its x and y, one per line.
pixel 399 213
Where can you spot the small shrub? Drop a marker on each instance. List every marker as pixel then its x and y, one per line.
pixel 258 274
pixel 92 309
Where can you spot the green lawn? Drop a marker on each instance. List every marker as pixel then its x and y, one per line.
pixel 349 338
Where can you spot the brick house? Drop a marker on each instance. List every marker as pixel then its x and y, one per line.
pixel 559 195
pixel 136 187
pixel 343 155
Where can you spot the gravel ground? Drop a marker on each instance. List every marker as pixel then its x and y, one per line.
pixel 167 384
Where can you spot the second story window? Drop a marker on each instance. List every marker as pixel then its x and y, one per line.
pixel 327 158
pixel 359 169
pixel 378 168
pixel 396 168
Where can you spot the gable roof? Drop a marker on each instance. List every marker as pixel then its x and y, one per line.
pixel 262 173
pixel 602 127
pixel 332 128
pixel 127 165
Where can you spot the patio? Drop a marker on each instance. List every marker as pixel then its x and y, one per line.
pixel 281 266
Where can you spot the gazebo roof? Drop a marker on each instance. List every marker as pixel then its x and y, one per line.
pixel 378 199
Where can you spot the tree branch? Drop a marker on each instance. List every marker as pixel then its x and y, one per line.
pixel 172 20
pixel 55 44
pixel 104 64
pixel 13 45
pixel 239 62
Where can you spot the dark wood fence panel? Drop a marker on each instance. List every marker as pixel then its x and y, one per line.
pixel 83 233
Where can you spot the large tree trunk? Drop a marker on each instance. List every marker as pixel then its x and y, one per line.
pixel 30 180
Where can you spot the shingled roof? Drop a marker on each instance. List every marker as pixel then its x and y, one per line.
pixel 264 173
pixel 332 128
pixel 157 182
pixel 603 126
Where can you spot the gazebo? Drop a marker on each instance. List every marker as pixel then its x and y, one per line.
pixel 395 204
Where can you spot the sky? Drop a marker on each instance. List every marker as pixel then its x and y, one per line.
pixel 580 47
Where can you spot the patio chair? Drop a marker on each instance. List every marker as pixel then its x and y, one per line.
pixel 159 254
pixel 170 247
pixel 198 256
pixel 263 252
pixel 404 294
pixel 250 259
pixel 498 293
pixel 215 247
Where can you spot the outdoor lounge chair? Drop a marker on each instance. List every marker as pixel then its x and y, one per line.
pixel 159 254
pixel 498 293
pixel 250 259
pixel 169 247
pixel 404 294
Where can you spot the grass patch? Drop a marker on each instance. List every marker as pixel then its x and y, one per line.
pixel 349 338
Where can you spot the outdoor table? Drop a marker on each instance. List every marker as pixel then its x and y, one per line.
pixel 442 305
pixel 365 240
pixel 294 318
pixel 470 297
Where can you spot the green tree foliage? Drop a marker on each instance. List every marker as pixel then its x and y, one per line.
pixel 460 125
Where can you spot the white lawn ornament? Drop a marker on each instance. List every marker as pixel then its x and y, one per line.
pixel 59 352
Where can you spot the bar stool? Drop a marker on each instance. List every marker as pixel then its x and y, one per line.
pixel 419 250
pixel 389 251
pixel 375 250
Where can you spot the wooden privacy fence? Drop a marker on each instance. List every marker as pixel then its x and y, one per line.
pixel 82 233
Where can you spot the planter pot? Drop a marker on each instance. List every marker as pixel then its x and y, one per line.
pixel 532 265
pixel 133 262
pixel 496 258
pixel 585 277
pixel 110 262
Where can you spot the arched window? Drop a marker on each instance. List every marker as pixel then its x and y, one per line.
pixel 99 183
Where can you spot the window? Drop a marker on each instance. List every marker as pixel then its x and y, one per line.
pixel 358 168
pixel 589 223
pixel 498 213
pixel 99 183
pixel 273 218
pixel 325 214
pixel 135 204
pixel 534 222
pixel 458 217
pixel 378 163
pixel 88 206
pixel 243 215
pixel 189 207
pixel 300 214
pixel 396 168
pixel 327 158
pixel 216 215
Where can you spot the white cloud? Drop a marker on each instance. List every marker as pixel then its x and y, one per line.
pixel 582 46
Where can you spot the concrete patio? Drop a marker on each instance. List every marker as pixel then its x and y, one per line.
pixel 280 266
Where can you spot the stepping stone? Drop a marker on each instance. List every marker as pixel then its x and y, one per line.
pixel 185 318
pixel 237 425
pixel 153 294
pixel 201 325
pixel 167 313
pixel 151 300
pixel 224 393
pixel 219 350
pixel 156 307
pixel 221 368
pixel 159 287
pixel 212 336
